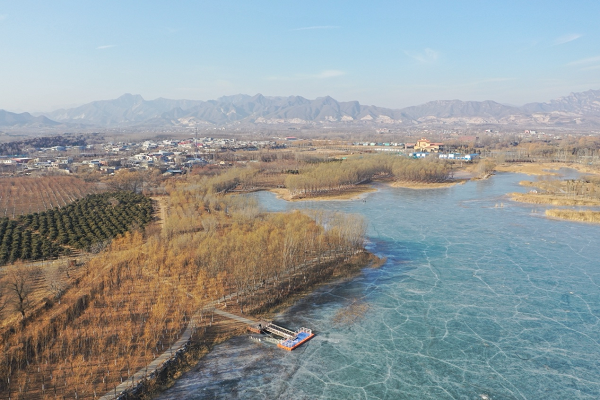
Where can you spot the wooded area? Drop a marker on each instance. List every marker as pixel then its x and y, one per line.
pixel 341 174
pixel 134 299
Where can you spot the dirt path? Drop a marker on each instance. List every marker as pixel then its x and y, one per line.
pixel 161 202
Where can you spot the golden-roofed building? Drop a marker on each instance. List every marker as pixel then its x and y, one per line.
pixel 425 146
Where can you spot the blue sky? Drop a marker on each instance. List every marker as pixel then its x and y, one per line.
pixel 385 53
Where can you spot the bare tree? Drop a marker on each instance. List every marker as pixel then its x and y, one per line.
pixel 3 298
pixel 19 282
pixel 485 168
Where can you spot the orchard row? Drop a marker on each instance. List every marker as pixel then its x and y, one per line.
pixel 79 225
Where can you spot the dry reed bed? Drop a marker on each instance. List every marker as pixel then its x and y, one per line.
pixel 574 215
pixel 552 199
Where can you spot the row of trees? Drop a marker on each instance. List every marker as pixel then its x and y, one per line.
pixel 79 225
pixel 325 177
pixel 427 170
pixel 16 242
pixel 230 179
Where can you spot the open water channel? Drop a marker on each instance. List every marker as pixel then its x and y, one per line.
pixel 480 298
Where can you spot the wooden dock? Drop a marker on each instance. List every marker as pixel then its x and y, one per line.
pixel 289 339
pixel 303 335
pixel 280 331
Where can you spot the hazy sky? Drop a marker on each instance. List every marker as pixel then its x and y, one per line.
pixel 387 53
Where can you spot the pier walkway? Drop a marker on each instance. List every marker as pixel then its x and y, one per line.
pixel 280 331
pixel 234 317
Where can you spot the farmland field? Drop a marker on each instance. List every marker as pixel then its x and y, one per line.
pixel 25 195
pixel 79 225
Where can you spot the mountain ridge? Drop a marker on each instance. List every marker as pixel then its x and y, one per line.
pixel 8 118
pixel 132 110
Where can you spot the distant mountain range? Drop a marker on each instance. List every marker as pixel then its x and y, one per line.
pixel 24 119
pixel 132 111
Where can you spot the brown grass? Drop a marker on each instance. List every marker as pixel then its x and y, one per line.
pixel 132 304
pixel 544 168
pixel 552 199
pixel 97 308
pixel 573 215
pixel 527 183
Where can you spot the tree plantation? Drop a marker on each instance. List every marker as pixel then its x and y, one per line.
pixel 79 225
pixel 135 298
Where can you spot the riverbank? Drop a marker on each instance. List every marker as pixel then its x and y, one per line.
pixel 222 329
pixel 427 185
pixel 561 192
pixel 554 200
pixel 358 191
pixel 574 215
pixel 544 168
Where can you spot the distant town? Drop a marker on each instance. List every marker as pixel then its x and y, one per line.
pixel 177 156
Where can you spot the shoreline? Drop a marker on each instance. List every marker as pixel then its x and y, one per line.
pixel 357 192
pixel 551 200
pixel 223 329
pixel 354 193
pixel 422 185
pixel 543 168
pixel 585 216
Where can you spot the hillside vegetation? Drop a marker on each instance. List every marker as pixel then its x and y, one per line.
pixel 134 299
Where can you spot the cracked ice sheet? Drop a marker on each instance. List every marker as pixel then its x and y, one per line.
pixel 473 300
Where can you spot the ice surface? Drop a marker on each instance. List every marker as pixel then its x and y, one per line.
pixel 474 301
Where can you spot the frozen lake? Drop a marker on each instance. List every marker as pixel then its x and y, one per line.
pixel 480 297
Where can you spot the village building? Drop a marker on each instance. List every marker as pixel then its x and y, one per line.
pixel 425 146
